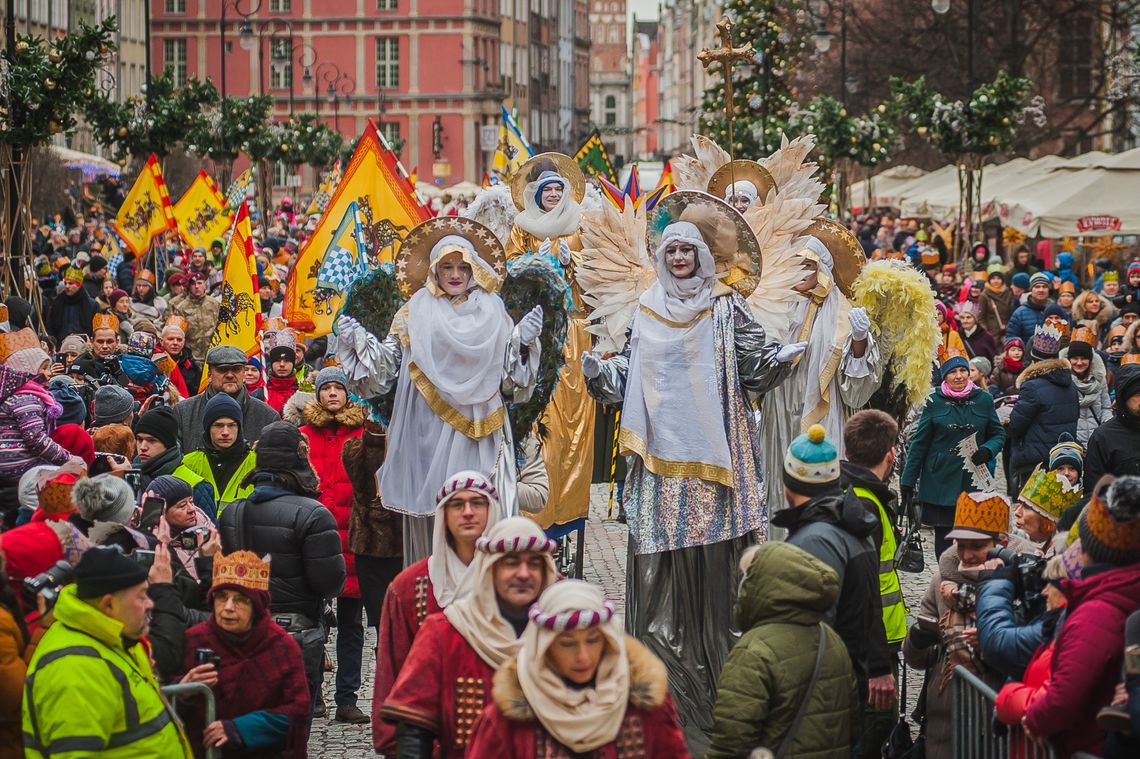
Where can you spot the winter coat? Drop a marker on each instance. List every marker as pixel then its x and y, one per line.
pixel 211 465
pixel 190 369
pixel 1099 324
pixel 1095 402
pixel 277 392
pixel 201 315
pixel 782 602
pixel 25 429
pixel 1047 406
pixel 255 415
pixel 71 315
pixel 994 309
pixel 837 530
pixel 372 529
pixel 1065 269
pixel 1014 698
pixel 1087 658
pixel 510 727
pixel 1005 379
pixel 13 669
pixel 933 462
pixel 1006 645
pixel 301 536
pixel 1025 320
pixel 327 433
pixel 981 343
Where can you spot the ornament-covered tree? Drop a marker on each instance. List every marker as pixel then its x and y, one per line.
pixel 237 125
pixel 762 88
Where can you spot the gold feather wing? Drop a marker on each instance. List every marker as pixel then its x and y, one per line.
pixel 613 269
pixel 693 172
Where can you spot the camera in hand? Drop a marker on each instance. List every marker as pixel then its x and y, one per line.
pixel 206 656
pixel 191 539
pixel 966 597
pixel 47 584
pixel 1027 568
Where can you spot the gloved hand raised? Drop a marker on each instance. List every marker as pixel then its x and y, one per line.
pixel 530 326
pixel 591 365
pixel 860 323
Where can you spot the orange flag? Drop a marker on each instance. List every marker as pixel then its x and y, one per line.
pixel 147 211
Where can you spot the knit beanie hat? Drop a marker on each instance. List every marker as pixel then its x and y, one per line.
pixel 73 344
pixel 116 296
pixel 1040 278
pixel 21 351
pixel 76 440
pixel 1080 350
pixel 170 489
pixel 140 344
pixel 74 409
pixel 952 363
pixel 1049 494
pixel 982 364
pixel 104 570
pixel 1021 279
pixel 160 424
pixel 221 406
pixel 113 404
pixel 104 498
pixel 1014 342
pixel 282 448
pixel 330 374
pixel 1067 451
pixel 1110 527
pixel 811 464
pixel 28 489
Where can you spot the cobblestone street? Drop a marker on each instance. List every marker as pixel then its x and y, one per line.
pixel 604 565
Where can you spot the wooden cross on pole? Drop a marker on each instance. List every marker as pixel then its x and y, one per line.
pixel 727 56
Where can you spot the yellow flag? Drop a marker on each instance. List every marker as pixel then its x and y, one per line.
pixel 389 210
pixel 146 212
pixel 513 150
pixel 201 212
pixel 239 319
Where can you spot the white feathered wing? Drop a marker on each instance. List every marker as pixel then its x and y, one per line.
pixel 693 172
pixel 495 209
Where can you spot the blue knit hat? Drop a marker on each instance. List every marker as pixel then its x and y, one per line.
pixel 1067 451
pixel 545 179
pixel 221 406
pixel 811 465
pixel 1021 279
pixel 952 363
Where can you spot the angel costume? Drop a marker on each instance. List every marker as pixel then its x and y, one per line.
pixel 828 381
pixel 568 446
pixel 456 362
pixel 694 495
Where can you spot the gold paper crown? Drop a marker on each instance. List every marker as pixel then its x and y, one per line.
pixel 3 313
pixel 242 568
pixel 105 321
pixel 1083 335
pixel 22 339
pixel 930 257
pixel 1059 323
pixel 1130 358
pixel 1049 494
pixel 985 512
pixel 1111 276
pixel 1067 287
pixel 274 324
pixel 177 321
pixel 55 496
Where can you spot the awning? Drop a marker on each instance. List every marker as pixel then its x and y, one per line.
pixel 879 190
pixel 92 166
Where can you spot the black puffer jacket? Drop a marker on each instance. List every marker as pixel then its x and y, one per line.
pixel 1114 447
pixel 1047 405
pixel 300 535
pixel 837 530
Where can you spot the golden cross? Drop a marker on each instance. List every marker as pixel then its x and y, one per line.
pixel 727 56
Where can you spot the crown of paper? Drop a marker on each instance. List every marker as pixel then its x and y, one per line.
pixel 930 257
pixel 1083 335
pixel 1111 276
pixel 945 354
pixel 242 568
pixel 1060 323
pixel 55 496
pixel 75 275
pixel 145 275
pixel 985 512
pixel 1130 358
pixel 1067 287
pixel 274 324
pixel 105 321
pixel 21 339
pixel 178 321
pixel 3 313
pixel 1049 494
pixel 1047 340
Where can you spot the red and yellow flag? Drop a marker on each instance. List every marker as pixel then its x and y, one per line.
pixel 201 212
pixel 147 211
pixel 666 182
pixel 239 319
pixel 389 209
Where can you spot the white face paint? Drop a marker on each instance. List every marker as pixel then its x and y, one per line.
pixel 681 258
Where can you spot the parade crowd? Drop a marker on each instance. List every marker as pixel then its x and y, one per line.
pixel 175 511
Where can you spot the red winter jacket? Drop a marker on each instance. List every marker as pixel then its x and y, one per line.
pixel 1087 657
pixel 327 434
pixel 278 391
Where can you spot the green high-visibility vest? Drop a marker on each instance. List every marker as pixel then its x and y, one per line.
pixel 890 590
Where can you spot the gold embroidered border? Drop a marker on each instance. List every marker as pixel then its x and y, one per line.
pixel 676 325
pixel 631 443
pixel 476 429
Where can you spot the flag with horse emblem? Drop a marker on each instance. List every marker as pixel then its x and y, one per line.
pixel 347 257
pixel 201 212
pixel 239 319
pixel 146 212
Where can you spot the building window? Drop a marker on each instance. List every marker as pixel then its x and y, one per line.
pixel 1075 57
pixel 281 173
pixel 386 5
pixel 280 6
pixel 174 58
pixel 391 132
pixel 611 110
pixel 281 68
pixel 388 63
pixel 175 6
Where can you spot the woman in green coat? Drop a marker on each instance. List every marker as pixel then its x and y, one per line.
pixel 784 595
pixel 955 410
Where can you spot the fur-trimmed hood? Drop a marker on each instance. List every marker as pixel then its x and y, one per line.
pixel 1107 311
pixel 315 415
pixel 294 411
pixel 648 684
pixel 1041 368
pixel 1130 338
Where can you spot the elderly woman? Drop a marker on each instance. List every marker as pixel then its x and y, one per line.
pixel 978 341
pixel 252 665
pixel 957 409
pixel 578 687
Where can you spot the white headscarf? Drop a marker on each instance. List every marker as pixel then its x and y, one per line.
pixel 459 343
pixel 743 188
pixel 564 219
pixel 445 568
pixel 582 719
pixel 828 334
pixel 680 300
pixel 475 612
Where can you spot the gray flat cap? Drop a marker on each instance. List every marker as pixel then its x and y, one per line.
pixel 226 355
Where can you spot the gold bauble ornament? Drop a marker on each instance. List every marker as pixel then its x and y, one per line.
pixel 54 56
pixel 122 131
pixel 55 127
pixel 843 113
pixel 285 147
pixel 1005 121
pixel 994 140
pixel 21 47
pixel 49 83
pixel 921 131
pixel 882 108
pixel 876 147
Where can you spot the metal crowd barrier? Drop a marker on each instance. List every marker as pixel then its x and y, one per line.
pixel 972 725
pixel 194 690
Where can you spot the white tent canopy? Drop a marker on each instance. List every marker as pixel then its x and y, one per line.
pixel 91 165
pixel 879 190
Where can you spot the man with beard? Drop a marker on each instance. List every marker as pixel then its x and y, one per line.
pixel 1114 447
pixel 446 681
pixel 73 309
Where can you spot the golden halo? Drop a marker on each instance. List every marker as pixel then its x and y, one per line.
pixel 563 165
pixel 731 241
pixel 845 251
pixel 412 261
pixel 744 170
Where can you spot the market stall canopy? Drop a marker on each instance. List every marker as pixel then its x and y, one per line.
pixel 879 190
pixel 912 195
pixel 428 190
pixel 92 166
pixel 1094 202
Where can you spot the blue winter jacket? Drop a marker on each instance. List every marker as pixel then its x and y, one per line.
pixel 1047 405
pixel 1065 269
pixel 1006 645
pixel 1025 319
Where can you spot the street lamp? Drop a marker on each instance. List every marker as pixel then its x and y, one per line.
pixel 822 38
pixel 941 7
pixel 246 33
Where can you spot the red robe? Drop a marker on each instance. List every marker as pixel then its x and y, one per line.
pixel 442 687
pixel 407 604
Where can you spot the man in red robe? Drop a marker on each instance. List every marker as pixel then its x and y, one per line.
pixel 447 679
pixel 466 506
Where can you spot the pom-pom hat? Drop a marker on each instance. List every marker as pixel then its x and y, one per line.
pixel 1110 526
pixel 1067 451
pixel 811 464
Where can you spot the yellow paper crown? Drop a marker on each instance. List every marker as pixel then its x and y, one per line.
pixel 985 512
pixel 12 342
pixel 242 568
pixel 1049 494
pixel 1083 335
pixel 177 321
pixel 105 321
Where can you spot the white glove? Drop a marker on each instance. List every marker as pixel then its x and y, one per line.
pixel 544 249
pixel 563 252
pixel 591 365
pixel 860 323
pixel 530 326
pixel 790 351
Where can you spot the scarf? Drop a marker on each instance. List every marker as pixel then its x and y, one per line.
pixel 958 395
pixel 560 221
pixel 165 532
pixel 822 322
pixel 999 290
pixel 681 300
pixel 580 718
pixel 51 405
pixel 445 569
pixel 1011 365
